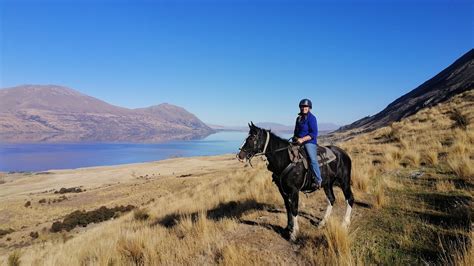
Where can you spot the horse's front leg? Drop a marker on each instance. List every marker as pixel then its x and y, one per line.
pixel 293 213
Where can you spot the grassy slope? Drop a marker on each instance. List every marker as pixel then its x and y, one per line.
pixel 421 173
pixel 413 186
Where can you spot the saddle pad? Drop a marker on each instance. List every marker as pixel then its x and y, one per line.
pixel 325 155
pixel 298 153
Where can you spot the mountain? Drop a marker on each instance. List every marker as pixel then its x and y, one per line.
pixel 276 127
pixel 51 113
pixel 455 79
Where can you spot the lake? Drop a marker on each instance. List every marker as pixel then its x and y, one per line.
pixel 42 157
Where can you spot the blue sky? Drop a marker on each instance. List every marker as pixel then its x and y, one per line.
pixel 230 62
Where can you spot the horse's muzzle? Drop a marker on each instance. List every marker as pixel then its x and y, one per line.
pixel 241 156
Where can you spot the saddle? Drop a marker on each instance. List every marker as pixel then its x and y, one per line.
pixel 298 154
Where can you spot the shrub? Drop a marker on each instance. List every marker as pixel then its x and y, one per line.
pixel 83 218
pixel 141 214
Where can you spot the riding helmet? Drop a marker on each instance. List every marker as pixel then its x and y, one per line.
pixel 306 102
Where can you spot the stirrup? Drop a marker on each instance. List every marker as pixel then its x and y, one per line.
pixel 313 187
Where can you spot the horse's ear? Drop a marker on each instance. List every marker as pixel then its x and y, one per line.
pixel 252 124
pixel 249 125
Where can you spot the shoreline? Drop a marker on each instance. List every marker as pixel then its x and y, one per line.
pixel 20 184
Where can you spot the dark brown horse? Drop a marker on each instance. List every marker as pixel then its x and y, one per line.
pixel 291 178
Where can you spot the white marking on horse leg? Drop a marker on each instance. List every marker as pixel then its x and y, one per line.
pixel 295 230
pixel 347 216
pixel 296 227
pixel 326 215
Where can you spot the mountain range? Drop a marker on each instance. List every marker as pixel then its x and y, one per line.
pixel 276 127
pixel 51 113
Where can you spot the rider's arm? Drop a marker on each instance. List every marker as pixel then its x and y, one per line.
pixel 313 127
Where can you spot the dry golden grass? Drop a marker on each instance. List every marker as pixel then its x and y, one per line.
pixel 362 172
pixel 410 158
pixel 465 256
pixel 179 229
pixel 379 193
pixel 14 259
pixel 429 158
pixel 234 255
pixel 445 186
pixel 339 243
pixel 462 255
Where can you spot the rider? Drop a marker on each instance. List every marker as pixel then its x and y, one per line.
pixel 306 133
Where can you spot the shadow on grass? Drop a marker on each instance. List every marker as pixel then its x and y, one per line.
pixel 231 209
pixel 276 228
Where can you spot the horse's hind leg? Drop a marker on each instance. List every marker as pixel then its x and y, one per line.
pixel 330 198
pixel 346 189
pixel 293 200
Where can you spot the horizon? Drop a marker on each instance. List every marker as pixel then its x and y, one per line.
pixel 164 103
pixel 248 57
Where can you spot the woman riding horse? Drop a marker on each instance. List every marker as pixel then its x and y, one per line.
pixel 290 177
pixel 306 133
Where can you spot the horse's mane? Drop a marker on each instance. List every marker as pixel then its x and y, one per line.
pixel 278 137
pixel 274 135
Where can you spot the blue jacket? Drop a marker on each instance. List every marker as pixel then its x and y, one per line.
pixel 307 125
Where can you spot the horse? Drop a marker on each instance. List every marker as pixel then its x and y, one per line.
pixel 291 178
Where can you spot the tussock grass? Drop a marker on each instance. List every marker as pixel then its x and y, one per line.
pixel 362 172
pixel 462 167
pixel 14 258
pixel 379 193
pixel 459 118
pixel 339 243
pixel 461 254
pixel 429 158
pixel 445 186
pixel 434 139
pixel 410 158
pixel 179 229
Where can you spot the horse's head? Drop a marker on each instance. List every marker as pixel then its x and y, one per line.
pixel 254 143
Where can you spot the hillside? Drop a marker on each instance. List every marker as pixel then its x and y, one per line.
pixel 455 79
pixel 50 113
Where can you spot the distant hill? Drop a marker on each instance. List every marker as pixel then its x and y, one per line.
pixel 51 113
pixel 455 79
pixel 276 127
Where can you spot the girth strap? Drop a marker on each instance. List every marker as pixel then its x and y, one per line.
pixel 287 170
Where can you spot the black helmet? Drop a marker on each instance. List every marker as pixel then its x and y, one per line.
pixel 306 102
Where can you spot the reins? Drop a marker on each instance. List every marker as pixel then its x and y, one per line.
pixel 264 152
pixel 285 171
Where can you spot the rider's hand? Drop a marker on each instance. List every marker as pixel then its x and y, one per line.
pixel 300 140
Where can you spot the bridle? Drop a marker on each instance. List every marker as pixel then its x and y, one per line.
pixel 251 154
